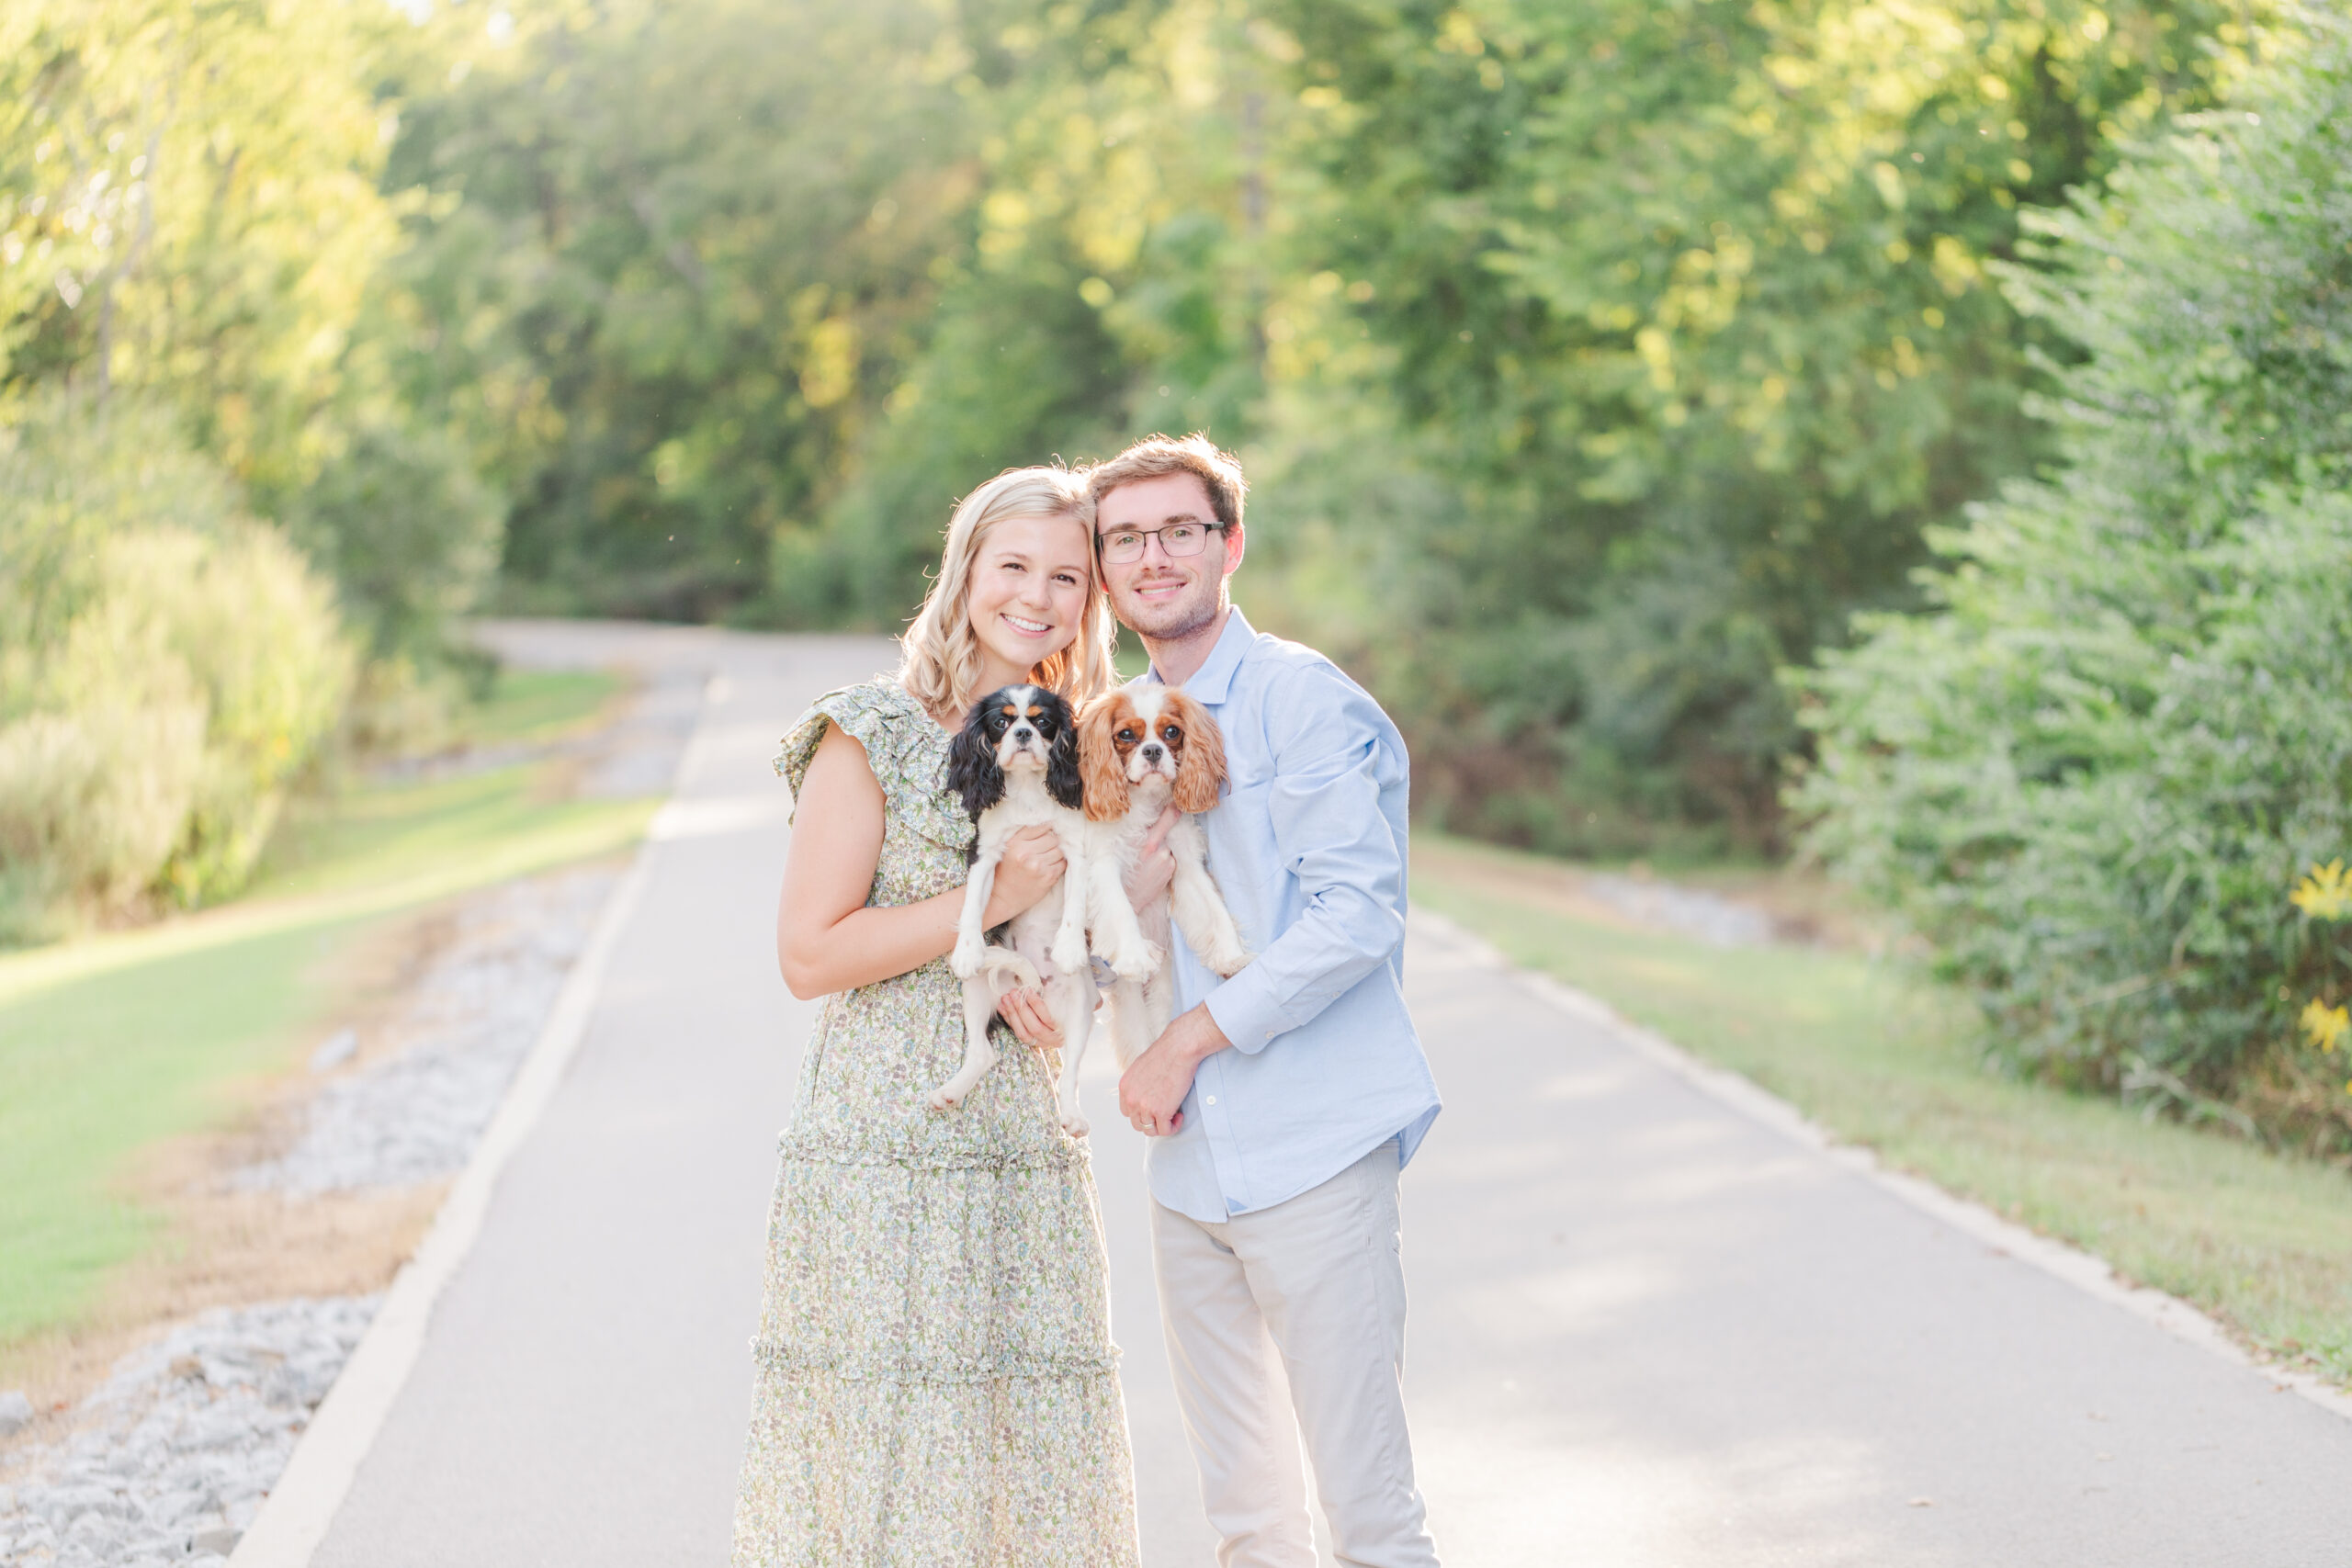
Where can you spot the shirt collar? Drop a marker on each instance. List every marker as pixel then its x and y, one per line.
pixel 1213 681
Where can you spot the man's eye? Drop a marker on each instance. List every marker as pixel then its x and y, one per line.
pixel 1122 541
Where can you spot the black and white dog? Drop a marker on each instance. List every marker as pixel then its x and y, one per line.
pixel 1015 765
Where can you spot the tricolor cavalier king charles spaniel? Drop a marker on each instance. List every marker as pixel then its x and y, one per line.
pixel 1015 765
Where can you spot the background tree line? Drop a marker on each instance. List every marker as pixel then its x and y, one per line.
pixel 1597 360
pixel 1596 363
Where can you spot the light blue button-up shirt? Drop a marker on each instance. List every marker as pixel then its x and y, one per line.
pixel 1308 848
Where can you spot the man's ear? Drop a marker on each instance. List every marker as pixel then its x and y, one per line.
pixel 1100 770
pixel 1201 767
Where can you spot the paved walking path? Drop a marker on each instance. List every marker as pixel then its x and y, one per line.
pixel 1647 1330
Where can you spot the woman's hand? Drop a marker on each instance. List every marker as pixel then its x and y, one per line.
pixel 1155 868
pixel 1032 864
pixel 1031 1022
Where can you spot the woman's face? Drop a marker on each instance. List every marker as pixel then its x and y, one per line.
pixel 1028 595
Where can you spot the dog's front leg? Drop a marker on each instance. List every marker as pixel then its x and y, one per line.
pixel 1068 951
pixel 1118 934
pixel 971 935
pixel 1200 913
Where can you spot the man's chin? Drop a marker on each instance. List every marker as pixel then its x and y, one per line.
pixel 1166 623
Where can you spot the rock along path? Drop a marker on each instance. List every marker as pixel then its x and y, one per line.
pixel 1648 1330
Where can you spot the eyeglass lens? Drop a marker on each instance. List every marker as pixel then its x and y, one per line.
pixel 1177 539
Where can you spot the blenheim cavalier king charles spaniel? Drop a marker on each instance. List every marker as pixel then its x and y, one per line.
pixel 1015 764
pixel 1140 749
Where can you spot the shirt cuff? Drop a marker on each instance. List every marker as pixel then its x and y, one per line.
pixel 1246 1010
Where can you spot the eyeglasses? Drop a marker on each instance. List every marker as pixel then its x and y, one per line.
pixel 1122 546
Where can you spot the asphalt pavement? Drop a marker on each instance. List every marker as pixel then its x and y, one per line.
pixel 1648 1330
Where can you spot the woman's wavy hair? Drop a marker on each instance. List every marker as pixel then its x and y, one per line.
pixel 939 661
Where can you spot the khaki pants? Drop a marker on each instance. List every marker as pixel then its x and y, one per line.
pixel 1319 1282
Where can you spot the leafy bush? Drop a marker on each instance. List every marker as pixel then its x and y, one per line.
pixel 166 665
pixel 2093 775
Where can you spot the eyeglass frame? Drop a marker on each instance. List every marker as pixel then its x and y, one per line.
pixel 1102 540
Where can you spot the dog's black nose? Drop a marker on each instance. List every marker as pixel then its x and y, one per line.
pixel 1153 752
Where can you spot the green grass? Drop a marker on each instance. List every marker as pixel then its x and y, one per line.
pixel 1885 1059
pixel 110 1044
pixel 537 704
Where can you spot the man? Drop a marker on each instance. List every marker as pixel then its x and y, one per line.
pixel 1282 1103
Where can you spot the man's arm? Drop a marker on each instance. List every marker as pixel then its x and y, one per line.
pixel 1329 833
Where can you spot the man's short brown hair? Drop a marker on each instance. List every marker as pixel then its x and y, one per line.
pixel 1155 457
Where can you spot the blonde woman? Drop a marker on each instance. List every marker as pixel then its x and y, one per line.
pixel 935 1387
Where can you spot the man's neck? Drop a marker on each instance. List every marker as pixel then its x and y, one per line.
pixel 1179 659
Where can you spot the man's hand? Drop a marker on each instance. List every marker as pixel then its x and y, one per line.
pixel 1032 1023
pixel 1156 1083
pixel 1155 868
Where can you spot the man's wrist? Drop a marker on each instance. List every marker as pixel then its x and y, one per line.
pixel 1202 1039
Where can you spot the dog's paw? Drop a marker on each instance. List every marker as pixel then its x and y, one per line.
pixel 966 957
pixel 1074 1122
pixel 940 1099
pixel 1138 961
pixel 1070 952
pixel 1227 959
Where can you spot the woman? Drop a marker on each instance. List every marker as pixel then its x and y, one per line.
pixel 935 1386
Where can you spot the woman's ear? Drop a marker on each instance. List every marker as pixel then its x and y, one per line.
pixel 1098 759
pixel 972 773
pixel 1201 767
pixel 1062 779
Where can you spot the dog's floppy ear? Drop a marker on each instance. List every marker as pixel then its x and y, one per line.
pixel 1063 781
pixel 1201 767
pixel 972 773
pixel 1104 775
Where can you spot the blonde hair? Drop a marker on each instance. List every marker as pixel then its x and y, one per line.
pixel 939 661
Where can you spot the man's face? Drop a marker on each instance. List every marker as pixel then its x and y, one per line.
pixel 1164 596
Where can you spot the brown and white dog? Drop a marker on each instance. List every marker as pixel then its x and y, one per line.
pixel 1139 750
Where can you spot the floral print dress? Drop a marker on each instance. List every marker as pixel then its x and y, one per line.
pixel 935 1386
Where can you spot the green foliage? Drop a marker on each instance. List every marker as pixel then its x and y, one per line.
pixel 2093 774
pixel 1688 319
pixel 166 666
pixel 673 259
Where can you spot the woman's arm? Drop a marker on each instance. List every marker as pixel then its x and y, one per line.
pixel 826 938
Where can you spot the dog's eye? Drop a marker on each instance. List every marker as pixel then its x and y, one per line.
pixel 1171 735
pixel 1127 734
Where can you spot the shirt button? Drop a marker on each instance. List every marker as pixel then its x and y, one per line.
pixel 1212 1099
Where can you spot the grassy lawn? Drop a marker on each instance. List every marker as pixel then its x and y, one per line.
pixel 1886 1060
pixel 109 1044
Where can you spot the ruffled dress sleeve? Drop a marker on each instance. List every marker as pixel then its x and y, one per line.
pixel 904 747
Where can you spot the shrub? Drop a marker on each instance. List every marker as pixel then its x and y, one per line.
pixel 166 665
pixel 2094 772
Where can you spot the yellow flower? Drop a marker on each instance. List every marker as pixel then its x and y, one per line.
pixel 2325 894
pixel 2326 1025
